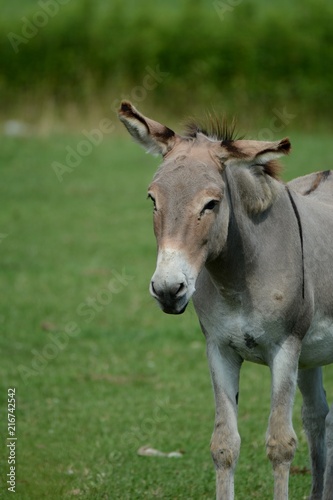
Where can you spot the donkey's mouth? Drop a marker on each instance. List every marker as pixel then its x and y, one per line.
pixel 173 306
pixel 173 310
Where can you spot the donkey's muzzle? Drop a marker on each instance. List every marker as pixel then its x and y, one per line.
pixel 172 284
pixel 171 297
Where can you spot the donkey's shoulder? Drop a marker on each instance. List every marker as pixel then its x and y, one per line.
pixel 318 185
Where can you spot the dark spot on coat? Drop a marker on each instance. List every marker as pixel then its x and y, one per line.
pixel 237 398
pixel 249 341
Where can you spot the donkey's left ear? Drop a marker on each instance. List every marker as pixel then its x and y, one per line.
pixel 273 150
pixel 154 137
pixel 259 152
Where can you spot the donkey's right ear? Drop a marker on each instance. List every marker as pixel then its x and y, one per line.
pixel 154 137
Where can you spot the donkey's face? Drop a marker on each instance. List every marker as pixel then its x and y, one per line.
pixel 191 206
pixel 188 194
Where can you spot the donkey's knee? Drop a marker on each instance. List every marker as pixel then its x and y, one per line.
pixel 281 447
pixel 224 448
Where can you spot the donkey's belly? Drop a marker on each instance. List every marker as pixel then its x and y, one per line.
pixel 317 346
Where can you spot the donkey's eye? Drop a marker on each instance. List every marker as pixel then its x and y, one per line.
pixel 152 199
pixel 210 205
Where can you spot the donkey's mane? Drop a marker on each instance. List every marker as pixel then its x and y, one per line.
pixel 213 127
pixel 219 129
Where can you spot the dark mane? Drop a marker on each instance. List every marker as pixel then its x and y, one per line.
pixel 212 127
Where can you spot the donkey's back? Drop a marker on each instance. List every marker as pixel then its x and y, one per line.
pixel 318 186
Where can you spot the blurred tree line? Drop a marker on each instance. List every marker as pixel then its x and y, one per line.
pixel 247 54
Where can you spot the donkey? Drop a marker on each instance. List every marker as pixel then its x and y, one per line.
pixel 255 255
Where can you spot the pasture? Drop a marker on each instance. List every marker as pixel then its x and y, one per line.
pixel 99 370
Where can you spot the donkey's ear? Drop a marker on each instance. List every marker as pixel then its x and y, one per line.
pixel 154 137
pixel 261 152
pixel 272 150
pixel 260 155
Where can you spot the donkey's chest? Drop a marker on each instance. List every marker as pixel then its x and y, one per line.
pixel 256 336
pixel 245 334
pixel 249 333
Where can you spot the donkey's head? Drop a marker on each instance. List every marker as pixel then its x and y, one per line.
pixel 189 194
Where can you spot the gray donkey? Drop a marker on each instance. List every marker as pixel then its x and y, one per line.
pixel 255 255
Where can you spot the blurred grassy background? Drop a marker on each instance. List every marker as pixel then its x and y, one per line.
pixel 132 376
pixel 65 60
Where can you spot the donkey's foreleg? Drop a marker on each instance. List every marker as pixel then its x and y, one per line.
pixel 225 443
pixel 281 439
pixel 314 411
pixel 328 482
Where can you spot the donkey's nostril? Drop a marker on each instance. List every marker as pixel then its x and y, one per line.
pixel 168 290
pixel 180 289
pixel 153 288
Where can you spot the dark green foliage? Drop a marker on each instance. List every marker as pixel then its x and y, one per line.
pixel 252 54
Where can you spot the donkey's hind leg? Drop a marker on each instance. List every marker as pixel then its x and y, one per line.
pixel 328 483
pixel 314 411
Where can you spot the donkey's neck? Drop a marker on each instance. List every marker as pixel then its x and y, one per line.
pixel 266 239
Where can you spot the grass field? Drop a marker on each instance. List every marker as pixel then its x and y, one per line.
pixel 98 369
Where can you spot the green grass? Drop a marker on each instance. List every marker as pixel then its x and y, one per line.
pixel 131 376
